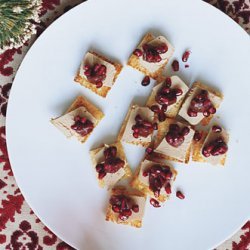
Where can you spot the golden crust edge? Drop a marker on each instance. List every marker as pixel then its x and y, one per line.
pixel 120 151
pixel 104 90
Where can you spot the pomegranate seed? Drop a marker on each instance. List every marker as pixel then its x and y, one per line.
pixel 145 81
pixel 180 195
pixel 147 124
pixel 155 108
pixel 136 135
pixel 216 129
pixel 99 85
pixel 154 202
pixel 155 126
pixel 149 150
pixel 87 72
pixel 197 136
pixel 99 168
pixel 168 188
pixel 174 127
pixel 145 173
pixel 77 118
pixel 122 217
pixel 101 175
pixel 83 119
pixel 157 193
pixel 110 152
pixel 212 110
pixel 178 92
pixel 185 131
pixel 168 82
pixel 162 48
pixel 162 117
pixel 186 55
pixel 116 208
pixel 175 65
pixel 186 66
pixel 137 52
pixel 192 113
pixel 127 212
pixel 206 113
pixel 138 118
pixel 135 208
pixel 164 107
pixel 86 67
pixel 168 175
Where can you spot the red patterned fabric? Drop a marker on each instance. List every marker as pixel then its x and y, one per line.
pixel 19 226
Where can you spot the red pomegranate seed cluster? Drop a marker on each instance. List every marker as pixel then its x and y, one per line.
pixel 215 147
pixel 143 128
pixel 176 135
pixel 151 53
pixel 166 96
pixel 82 125
pixel 111 164
pixel 159 177
pixel 124 206
pixel 96 74
pixel 201 104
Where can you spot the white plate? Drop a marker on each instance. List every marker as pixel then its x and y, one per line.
pixel 55 174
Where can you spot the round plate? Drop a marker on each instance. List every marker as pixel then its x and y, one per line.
pixel 55 174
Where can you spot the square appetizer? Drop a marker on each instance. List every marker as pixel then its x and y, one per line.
pixel 98 73
pixel 79 120
pixel 167 96
pixel 173 141
pixel 212 147
pixel 110 164
pixel 200 104
pixel 154 179
pixel 126 207
pixel 138 126
pixel 151 55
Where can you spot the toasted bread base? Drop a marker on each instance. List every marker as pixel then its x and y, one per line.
pixel 81 101
pixel 120 153
pixel 172 113
pixel 196 151
pixel 162 127
pixel 111 216
pixel 123 128
pixel 206 120
pixel 103 91
pixel 137 184
pixel 134 61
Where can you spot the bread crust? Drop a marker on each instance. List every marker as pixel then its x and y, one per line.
pixel 162 128
pixel 111 216
pixel 121 155
pixel 137 184
pixel 134 61
pixel 104 90
pixel 81 101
